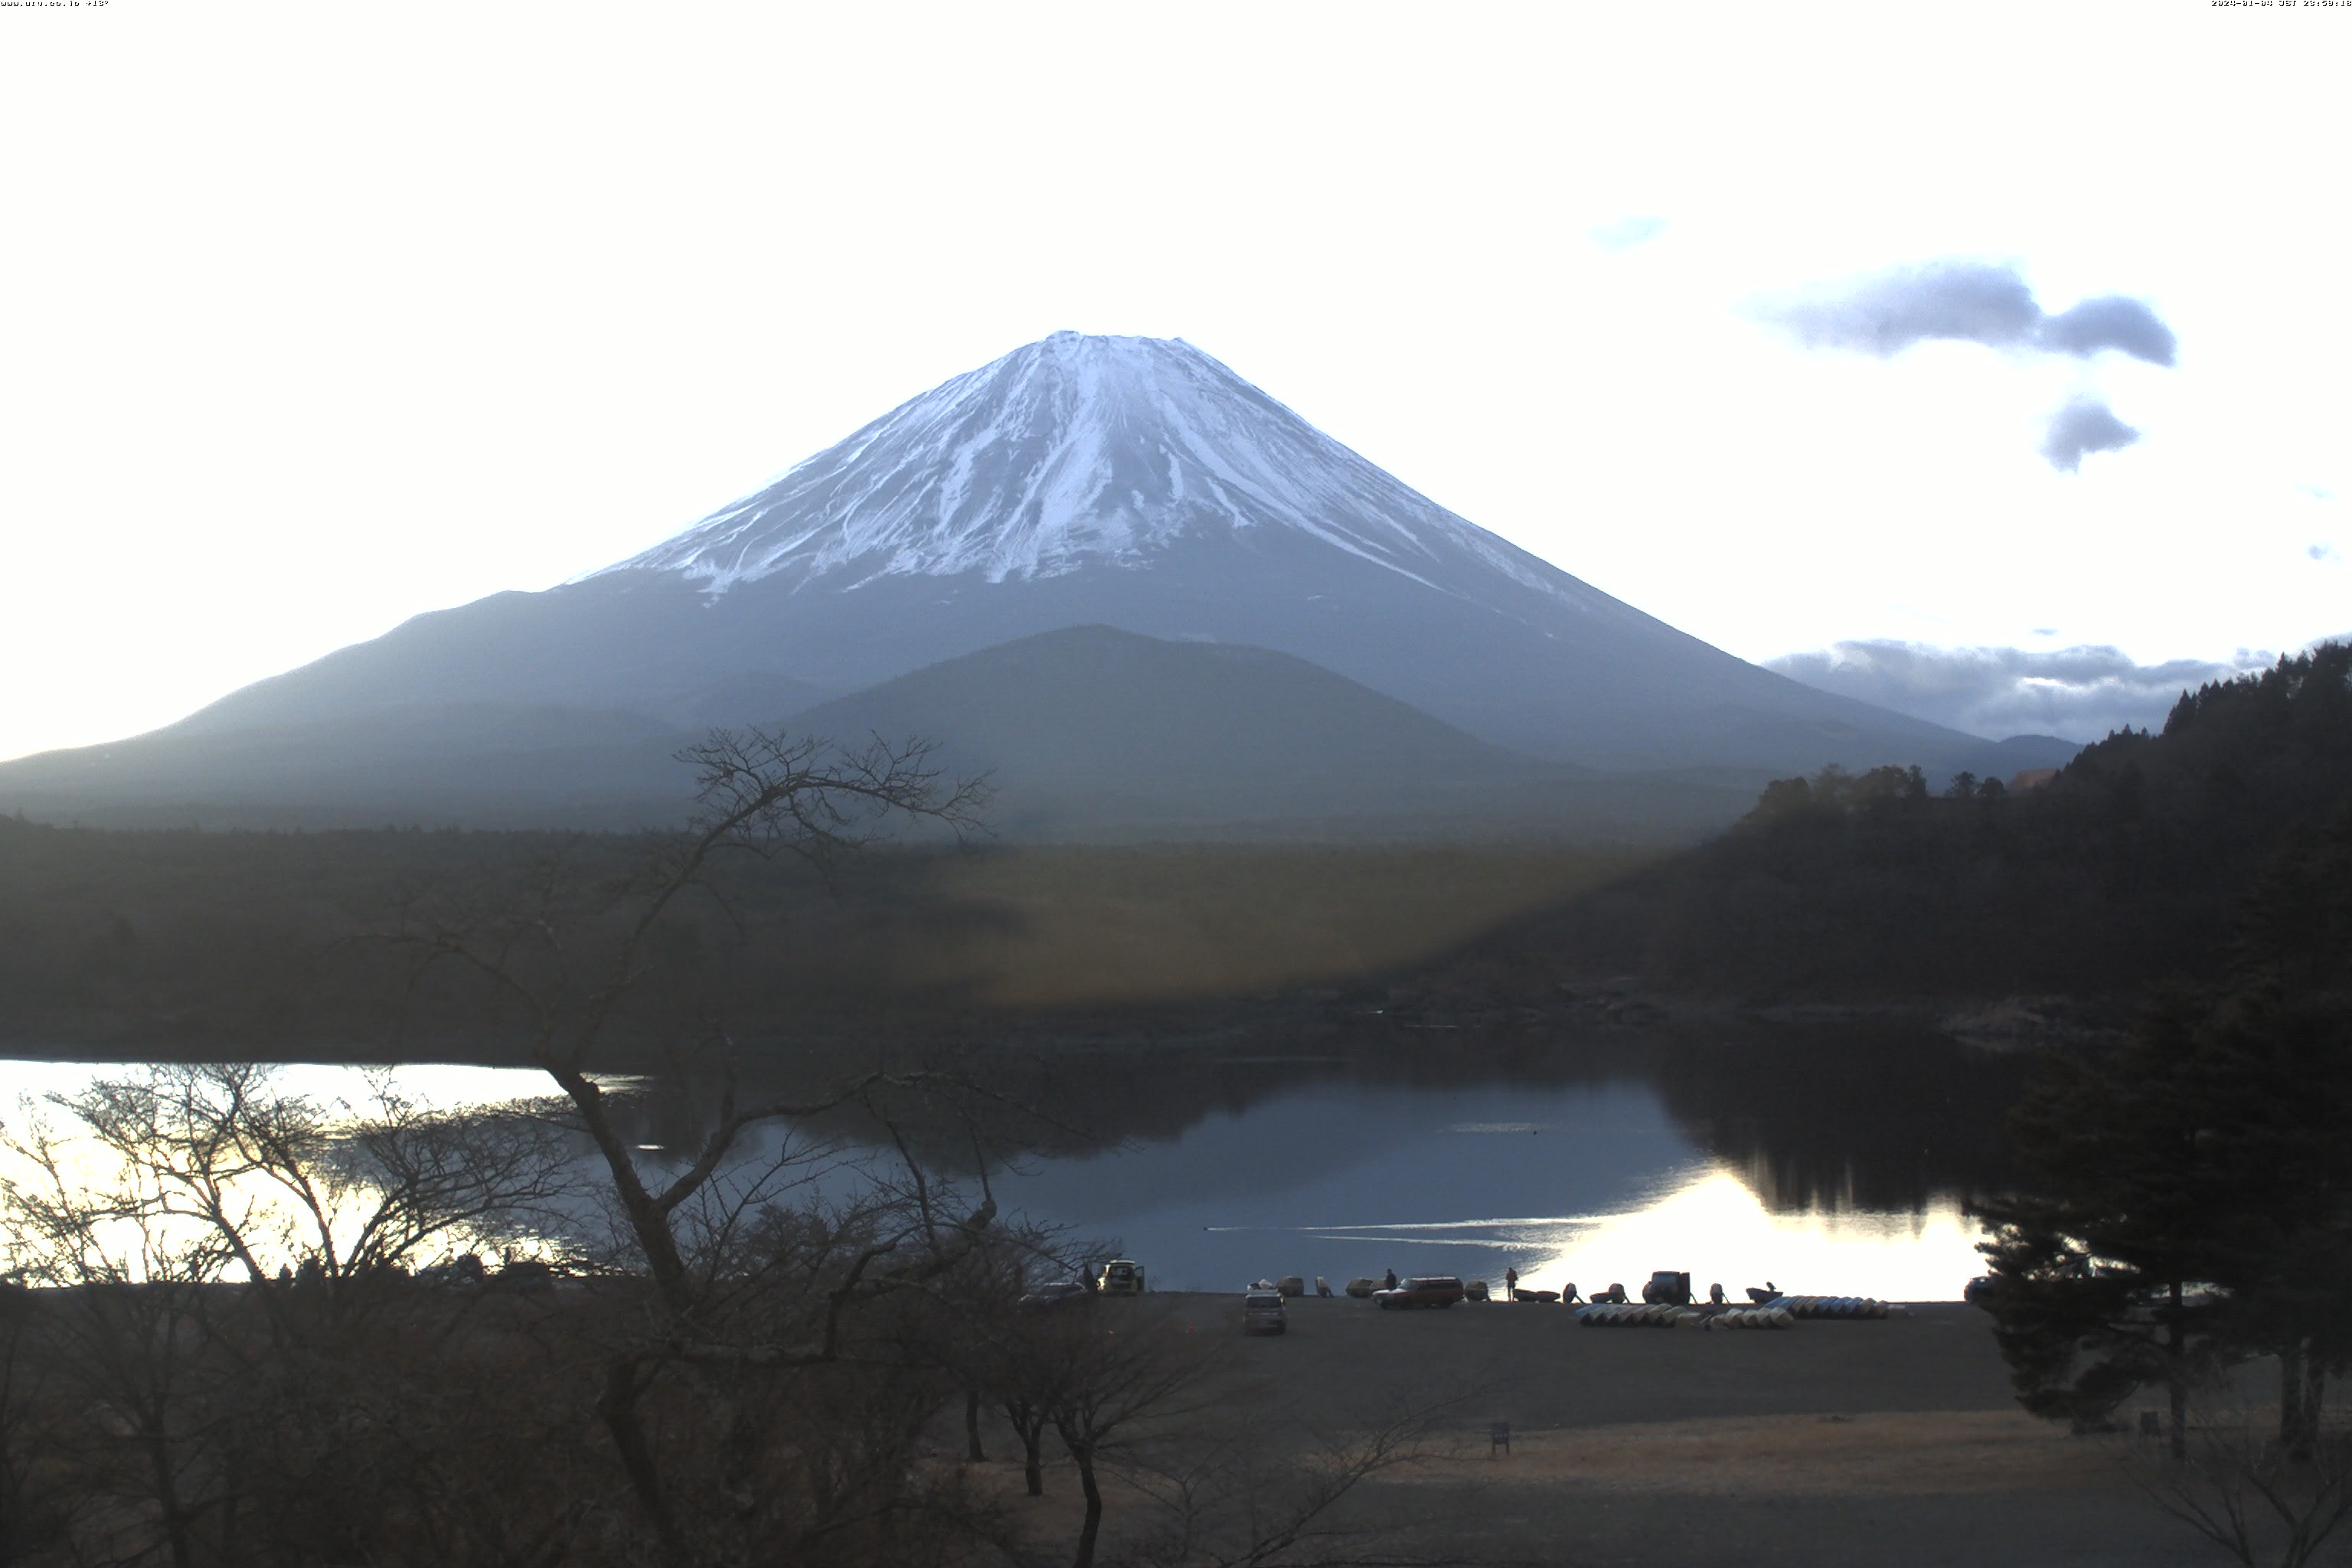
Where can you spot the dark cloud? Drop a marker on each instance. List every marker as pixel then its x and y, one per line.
pixel 2110 321
pixel 1967 300
pixel 1628 232
pixel 2080 693
pixel 2083 426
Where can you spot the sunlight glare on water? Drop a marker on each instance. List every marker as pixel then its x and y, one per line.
pixel 1707 1223
pixel 1588 1183
pixel 1719 1231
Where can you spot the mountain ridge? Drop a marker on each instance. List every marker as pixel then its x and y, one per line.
pixel 1123 482
pixel 1090 734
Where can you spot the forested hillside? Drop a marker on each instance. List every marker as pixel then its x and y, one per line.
pixel 2120 871
pixel 239 944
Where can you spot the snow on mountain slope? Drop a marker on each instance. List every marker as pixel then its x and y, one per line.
pixel 1078 451
pixel 1122 482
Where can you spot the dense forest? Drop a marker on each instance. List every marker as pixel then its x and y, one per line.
pixel 2120 871
pixel 2182 1220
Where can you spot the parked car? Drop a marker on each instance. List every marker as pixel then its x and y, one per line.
pixel 1432 1290
pixel 530 1276
pixel 464 1269
pixel 1668 1286
pixel 1122 1277
pixel 1263 1313
pixel 1060 1293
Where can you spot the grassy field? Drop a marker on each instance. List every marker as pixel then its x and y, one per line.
pixel 1831 1445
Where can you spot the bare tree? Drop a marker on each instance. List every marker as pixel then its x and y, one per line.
pixel 745 1279
pixel 346 1193
pixel 1237 1499
pixel 1208 1472
pixel 1124 1376
pixel 1003 1356
pixel 122 1330
pixel 1015 1362
pixel 764 795
pixel 2263 1497
pixel 226 1301
pixel 34 1509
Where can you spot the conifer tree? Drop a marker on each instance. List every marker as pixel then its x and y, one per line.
pixel 2193 1186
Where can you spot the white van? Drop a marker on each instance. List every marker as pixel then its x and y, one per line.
pixel 1262 1312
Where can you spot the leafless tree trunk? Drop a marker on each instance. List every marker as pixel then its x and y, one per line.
pixel 158 1214
pixel 2249 1492
pixel 1124 1376
pixel 1245 1497
pixel 1029 1420
pixel 716 1312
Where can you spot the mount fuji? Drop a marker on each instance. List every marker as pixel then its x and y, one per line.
pixel 1117 482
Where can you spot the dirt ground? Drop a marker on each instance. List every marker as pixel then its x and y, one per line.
pixel 1877 1442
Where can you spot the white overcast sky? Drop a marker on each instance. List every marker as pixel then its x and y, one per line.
pixel 313 317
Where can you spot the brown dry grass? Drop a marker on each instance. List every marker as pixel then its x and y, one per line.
pixel 1086 927
pixel 1895 1454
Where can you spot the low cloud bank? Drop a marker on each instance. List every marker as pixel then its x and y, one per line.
pixel 2079 693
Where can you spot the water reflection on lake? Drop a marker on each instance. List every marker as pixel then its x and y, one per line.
pixel 1826 1163
pixel 1583 1183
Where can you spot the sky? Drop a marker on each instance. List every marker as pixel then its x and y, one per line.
pixel 1987 362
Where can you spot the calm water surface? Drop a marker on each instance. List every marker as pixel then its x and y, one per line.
pixel 1586 1185
pixel 1846 1176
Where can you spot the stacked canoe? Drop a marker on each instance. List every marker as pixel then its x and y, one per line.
pixel 1607 1316
pixel 1830 1306
pixel 1754 1317
pixel 1639 1315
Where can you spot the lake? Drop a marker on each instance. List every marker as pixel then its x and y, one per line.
pixel 1582 1184
pixel 1828 1163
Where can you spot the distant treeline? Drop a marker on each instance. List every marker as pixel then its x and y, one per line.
pixel 207 945
pixel 2121 871
pixel 224 946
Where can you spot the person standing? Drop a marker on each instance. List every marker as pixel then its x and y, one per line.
pixel 1388 1281
pixel 1511 1283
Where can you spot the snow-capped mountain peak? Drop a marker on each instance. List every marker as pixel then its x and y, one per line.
pixel 1074 451
pixel 1077 484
